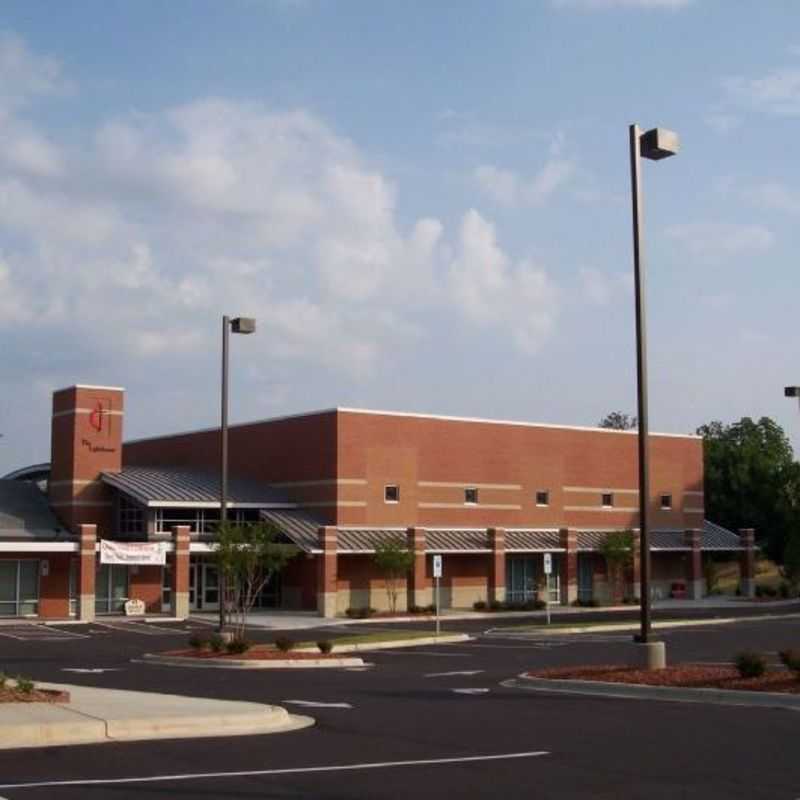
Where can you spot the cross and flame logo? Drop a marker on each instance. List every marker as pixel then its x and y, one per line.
pixel 96 416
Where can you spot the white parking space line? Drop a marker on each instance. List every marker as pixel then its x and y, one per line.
pixel 137 627
pixel 39 633
pixel 470 691
pixel 316 704
pixel 252 773
pixel 456 672
pixel 91 670
pixel 422 653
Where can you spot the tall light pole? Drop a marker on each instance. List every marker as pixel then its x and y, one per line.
pixel 237 325
pixel 656 144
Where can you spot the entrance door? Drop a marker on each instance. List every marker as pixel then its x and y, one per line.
pixel 111 588
pixel 203 586
pixel 520 579
pixel 585 573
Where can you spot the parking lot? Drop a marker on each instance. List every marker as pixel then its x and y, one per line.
pixel 434 719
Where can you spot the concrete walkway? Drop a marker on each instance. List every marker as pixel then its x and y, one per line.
pixel 103 715
pixel 302 620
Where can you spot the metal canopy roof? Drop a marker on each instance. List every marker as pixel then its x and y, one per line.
pixel 712 537
pixel 25 514
pixel 164 486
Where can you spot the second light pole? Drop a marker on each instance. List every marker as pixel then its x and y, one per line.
pixel 656 144
pixel 236 325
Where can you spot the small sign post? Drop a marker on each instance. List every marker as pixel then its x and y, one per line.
pixel 437 574
pixel 548 568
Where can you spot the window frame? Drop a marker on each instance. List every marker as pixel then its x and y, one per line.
pixel 386 498
pixel 668 505
pixel 546 494
pixel 610 496
pixel 467 491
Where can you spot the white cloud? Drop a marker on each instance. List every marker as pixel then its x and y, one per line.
pixel 775 196
pixel 714 242
pixel 778 92
pixel 493 291
pixel 510 189
pixel 596 5
pixel 24 75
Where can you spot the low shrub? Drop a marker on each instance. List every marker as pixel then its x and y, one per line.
pixel 590 603
pixel 430 608
pixel 198 642
pixel 284 644
pixel 25 685
pixel 750 664
pixel 3 680
pixel 216 643
pixel 631 601
pixel 325 646
pixel 496 605
pixel 534 605
pixel 784 591
pixel 238 645
pixel 360 613
pixel 479 605
pixel 791 660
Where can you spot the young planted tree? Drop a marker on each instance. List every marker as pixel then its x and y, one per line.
pixel 247 557
pixel 394 560
pixel 617 550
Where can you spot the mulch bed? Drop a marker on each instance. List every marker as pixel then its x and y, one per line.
pixel 257 653
pixel 9 695
pixel 694 676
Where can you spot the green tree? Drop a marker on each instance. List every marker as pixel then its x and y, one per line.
pixel 752 480
pixel 394 561
pixel 618 421
pixel 617 550
pixel 791 561
pixel 247 557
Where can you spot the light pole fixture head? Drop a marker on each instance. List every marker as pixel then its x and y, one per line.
pixel 658 143
pixel 791 391
pixel 243 325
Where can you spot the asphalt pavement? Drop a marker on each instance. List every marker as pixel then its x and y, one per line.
pixel 422 722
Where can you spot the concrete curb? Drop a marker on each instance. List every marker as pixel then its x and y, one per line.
pixel 721 697
pixel 244 663
pixel 634 626
pixel 111 715
pixel 447 638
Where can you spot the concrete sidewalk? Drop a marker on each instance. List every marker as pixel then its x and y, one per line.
pixel 103 715
pixel 302 620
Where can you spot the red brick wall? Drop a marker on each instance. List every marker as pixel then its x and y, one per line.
pixel 289 451
pixel 508 463
pixel 144 583
pixel 86 439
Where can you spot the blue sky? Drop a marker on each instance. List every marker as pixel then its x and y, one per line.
pixel 426 206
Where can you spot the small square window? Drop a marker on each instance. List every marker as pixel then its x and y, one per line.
pixel 607 500
pixel 542 498
pixel 471 496
pixel 391 494
pixel 666 501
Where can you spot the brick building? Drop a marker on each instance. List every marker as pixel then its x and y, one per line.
pixel 135 520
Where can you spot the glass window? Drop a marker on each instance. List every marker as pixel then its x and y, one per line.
pixel 542 498
pixel 471 495
pixel 28 587
pixel 131 517
pixel 608 500
pixel 19 587
pixel 666 501
pixel 391 494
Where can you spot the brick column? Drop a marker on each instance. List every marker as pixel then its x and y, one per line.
pixel 418 594
pixel 637 566
pixel 695 578
pixel 497 564
pixel 326 573
pixel 568 539
pixel 747 567
pixel 180 571
pixel 87 564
